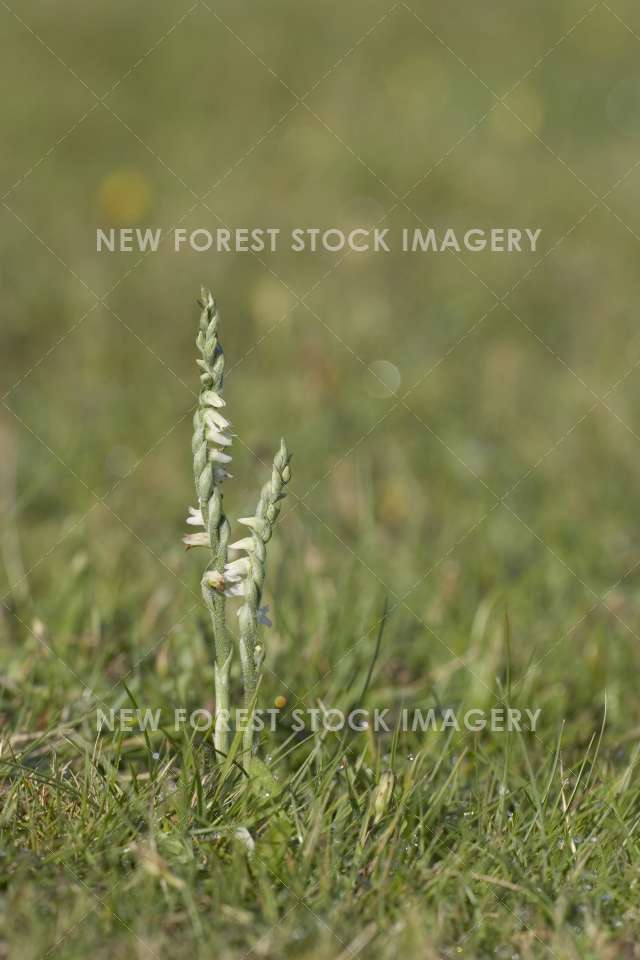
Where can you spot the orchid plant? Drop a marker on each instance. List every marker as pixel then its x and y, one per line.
pixel 244 575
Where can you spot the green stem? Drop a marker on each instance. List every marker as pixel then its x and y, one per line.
pixel 248 639
pixel 222 667
pixel 222 671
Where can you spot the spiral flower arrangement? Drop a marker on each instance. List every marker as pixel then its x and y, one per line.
pixel 242 577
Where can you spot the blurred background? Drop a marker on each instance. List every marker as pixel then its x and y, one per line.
pixel 465 428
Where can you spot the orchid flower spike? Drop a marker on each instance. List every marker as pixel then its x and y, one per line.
pixel 211 438
pixel 244 575
pixel 247 574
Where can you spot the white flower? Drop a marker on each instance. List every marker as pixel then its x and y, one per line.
pixel 200 539
pixel 215 420
pixel 213 579
pixel 212 399
pixel 247 544
pixel 237 569
pixel 255 523
pixel 217 456
pixel 213 435
pixel 237 589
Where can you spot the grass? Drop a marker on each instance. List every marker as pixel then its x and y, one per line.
pixel 489 844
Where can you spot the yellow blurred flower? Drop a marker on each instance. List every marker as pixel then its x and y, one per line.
pixel 124 196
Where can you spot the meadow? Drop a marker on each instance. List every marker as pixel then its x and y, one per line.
pixel 461 531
